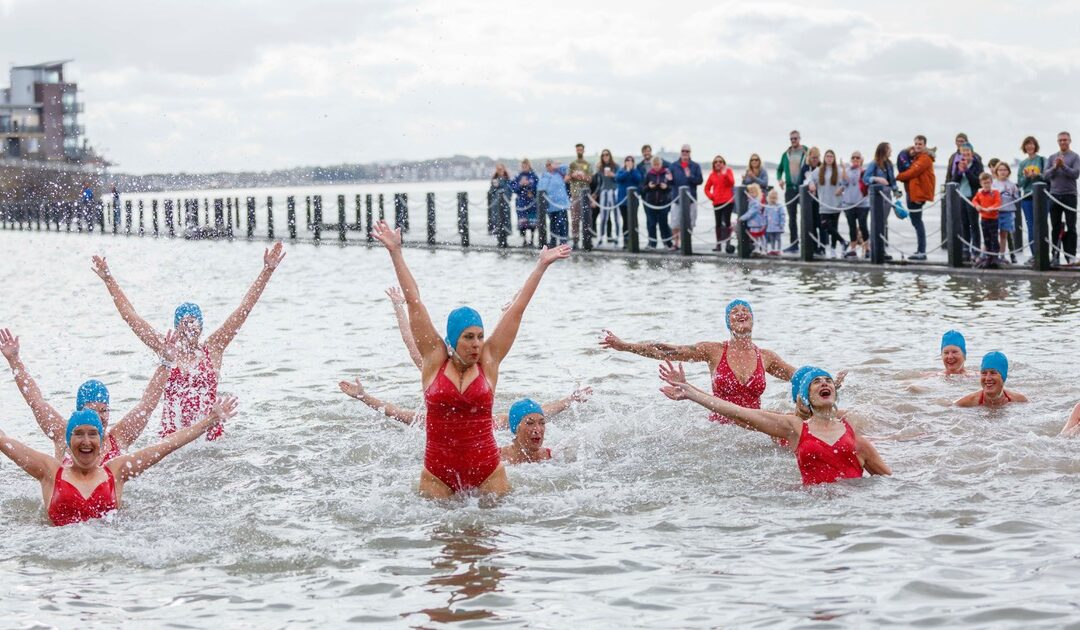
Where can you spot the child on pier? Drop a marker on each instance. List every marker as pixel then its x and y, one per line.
pixel 1010 203
pixel 988 203
pixel 755 217
pixel 774 223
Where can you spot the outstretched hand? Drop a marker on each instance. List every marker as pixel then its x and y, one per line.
pixel 101 268
pixel 672 374
pixel 610 341
pixel 839 380
pixel 548 256
pixel 353 389
pixel 581 394
pixel 391 239
pixel 396 296
pixel 273 256
pixel 224 409
pixel 169 350
pixel 9 344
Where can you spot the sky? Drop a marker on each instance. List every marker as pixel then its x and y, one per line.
pixel 243 85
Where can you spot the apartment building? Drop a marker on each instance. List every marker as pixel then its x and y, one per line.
pixel 39 116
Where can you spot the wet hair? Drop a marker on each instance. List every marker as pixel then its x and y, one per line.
pixel 1032 140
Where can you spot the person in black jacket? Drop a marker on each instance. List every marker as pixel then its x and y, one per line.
pixel 966 173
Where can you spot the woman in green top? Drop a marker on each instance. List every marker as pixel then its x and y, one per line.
pixel 1030 170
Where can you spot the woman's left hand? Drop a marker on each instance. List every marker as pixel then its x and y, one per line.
pixel 273 256
pixel 548 256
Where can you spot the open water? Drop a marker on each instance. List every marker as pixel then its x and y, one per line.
pixel 306 515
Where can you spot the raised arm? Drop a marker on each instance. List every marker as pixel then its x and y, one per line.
pixel 502 338
pixel 662 351
pixel 428 342
pixel 221 338
pixel 142 328
pixel 774 424
pixel 356 390
pixel 35 463
pixel 128 467
pixel 778 367
pixel 398 300
pixel 52 423
pixel 131 426
pixel 555 407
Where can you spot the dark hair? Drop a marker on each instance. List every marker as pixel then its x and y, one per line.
pixel 579 145
pixel 921 137
pixel 646 146
pixel 610 157
pixel 879 154
pixel 964 136
pixel 1032 140
pixel 1065 133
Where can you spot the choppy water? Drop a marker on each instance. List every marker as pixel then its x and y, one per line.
pixel 306 514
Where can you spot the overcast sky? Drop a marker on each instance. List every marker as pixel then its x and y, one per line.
pixel 204 86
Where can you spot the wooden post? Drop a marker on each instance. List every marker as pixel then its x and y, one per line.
pixel 206 211
pixel 251 217
pixel 492 210
pixel 954 225
pixel 127 217
pixel 401 212
pixel 630 239
pixel 219 214
pixel 229 215
pixel 502 220
pixel 686 233
pixel 316 218
pixel 290 216
pixel 463 217
pixel 154 217
pixel 369 216
pixel 38 217
pixel 170 218
pixel 307 218
pixel 745 245
pixel 586 221
pixel 807 229
pixel 359 215
pixel 341 218
pixel 430 218
pixel 1040 229
pixel 269 217
pixel 541 218
pixel 878 216
pixel 382 209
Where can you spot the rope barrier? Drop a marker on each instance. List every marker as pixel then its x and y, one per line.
pixel 989 253
pixel 652 207
pixel 888 245
pixel 1055 200
pixel 822 204
pixel 891 201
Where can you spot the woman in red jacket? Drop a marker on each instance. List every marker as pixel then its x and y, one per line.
pixel 720 189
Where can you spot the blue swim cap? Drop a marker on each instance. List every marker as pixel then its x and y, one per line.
pixel 954 338
pixel 86 417
pixel 998 362
pixel 733 304
pixel 796 381
pixel 808 377
pixel 459 319
pixel 522 408
pixel 185 309
pixel 91 392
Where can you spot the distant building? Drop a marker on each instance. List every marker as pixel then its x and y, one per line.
pixel 39 116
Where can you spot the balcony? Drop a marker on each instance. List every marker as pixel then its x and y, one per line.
pixel 74 130
pixel 72 107
pixel 14 128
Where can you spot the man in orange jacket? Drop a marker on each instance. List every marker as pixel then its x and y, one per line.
pixel 920 182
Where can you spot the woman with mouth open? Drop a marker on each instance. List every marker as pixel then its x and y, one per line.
pixel 87 489
pixel 826 447
pixel 459 376
pixel 992 376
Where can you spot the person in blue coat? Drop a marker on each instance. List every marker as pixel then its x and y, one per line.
pixel 553 184
pixel 684 172
pixel 627 177
pixel 525 187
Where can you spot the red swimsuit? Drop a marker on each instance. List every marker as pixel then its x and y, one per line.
pixel 461 450
pixel 982 397
pixel 824 463
pixel 192 394
pixel 726 386
pixel 68 505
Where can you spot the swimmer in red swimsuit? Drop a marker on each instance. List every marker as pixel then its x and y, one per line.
pixel 992 376
pixel 459 375
pixel 826 447
pixel 737 366
pixel 191 389
pixel 88 489
pixel 92 395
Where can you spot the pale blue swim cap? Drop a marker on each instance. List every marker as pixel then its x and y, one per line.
pixel 86 417
pixel 91 392
pixel 185 309
pixel 998 362
pixel 459 319
pixel 731 305
pixel 807 379
pixel 954 338
pixel 796 381
pixel 522 408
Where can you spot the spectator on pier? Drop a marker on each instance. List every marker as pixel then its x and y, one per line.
pixel 626 178
pixel 552 184
pixel 604 206
pixel 919 182
pixel 578 177
pixel 826 184
pixel 954 159
pixel 720 189
pixel 987 203
pixel 966 173
pixel 646 161
pixel 684 172
pixel 856 205
pixel 525 187
pixel 1030 170
pixel 813 161
pixel 755 173
pixel 500 189
pixel 789 176
pixel 1010 193
pixel 774 223
pixel 754 218
pixel 1062 170
pixel 657 198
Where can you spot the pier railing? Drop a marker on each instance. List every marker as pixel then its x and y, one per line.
pixel 349 218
